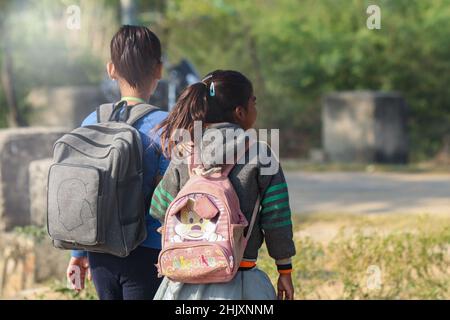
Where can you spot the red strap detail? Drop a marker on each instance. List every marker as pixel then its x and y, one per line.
pixel 247 264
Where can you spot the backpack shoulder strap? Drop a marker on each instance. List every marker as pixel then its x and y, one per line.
pixel 104 112
pixel 253 219
pixel 138 111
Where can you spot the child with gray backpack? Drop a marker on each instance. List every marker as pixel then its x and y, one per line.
pixel 104 175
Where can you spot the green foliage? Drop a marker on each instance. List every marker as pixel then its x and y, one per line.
pixel 413 258
pixel 47 53
pixel 36 233
pixel 294 51
pixel 297 51
pixel 413 265
pixel 88 293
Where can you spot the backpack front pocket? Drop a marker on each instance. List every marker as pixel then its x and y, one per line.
pixel 74 197
pixel 195 263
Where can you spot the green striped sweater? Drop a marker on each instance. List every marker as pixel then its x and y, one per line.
pixel 273 223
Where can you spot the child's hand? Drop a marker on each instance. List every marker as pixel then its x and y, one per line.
pixel 285 287
pixel 77 271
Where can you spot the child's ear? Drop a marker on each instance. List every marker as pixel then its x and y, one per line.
pixel 240 114
pixel 111 70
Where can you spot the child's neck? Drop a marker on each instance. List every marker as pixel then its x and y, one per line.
pixel 130 92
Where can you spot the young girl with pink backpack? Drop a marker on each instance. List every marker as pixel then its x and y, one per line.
pixel 215 213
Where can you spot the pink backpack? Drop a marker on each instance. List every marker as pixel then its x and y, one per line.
pixel 203 235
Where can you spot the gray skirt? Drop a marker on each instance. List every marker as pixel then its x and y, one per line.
pixel 252 284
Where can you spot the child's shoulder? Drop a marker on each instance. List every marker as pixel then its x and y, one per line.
pixel 152 119
pixel 90 119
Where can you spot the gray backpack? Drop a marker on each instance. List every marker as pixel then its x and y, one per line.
pixel 94 198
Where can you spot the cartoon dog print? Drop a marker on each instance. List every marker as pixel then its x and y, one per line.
pixel 193 227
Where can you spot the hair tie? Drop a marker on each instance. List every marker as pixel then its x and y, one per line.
pixel 212 90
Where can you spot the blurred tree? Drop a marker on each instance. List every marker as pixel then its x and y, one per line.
pixel 45 52
pixel 295 51
pixel 128 12
pixel 14 117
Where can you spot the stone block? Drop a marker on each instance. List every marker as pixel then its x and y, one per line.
pixel 63 106
pixel 38 173
pixel 19 147
pixel 365 126
pixel 26 261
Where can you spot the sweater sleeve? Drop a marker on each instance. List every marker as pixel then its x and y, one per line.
pixel 165 193
pixel 275 217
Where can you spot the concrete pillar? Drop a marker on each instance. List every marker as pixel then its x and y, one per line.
pixel 26 261
pixel 19 147
pixel 63 106
pixel 365 126
pixel 38 173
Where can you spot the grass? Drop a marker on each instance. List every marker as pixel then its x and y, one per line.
pixel 375 257
pixel 64 292
pixel 36 233
pixel 391 256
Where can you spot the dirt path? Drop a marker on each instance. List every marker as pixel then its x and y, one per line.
pixel 369 193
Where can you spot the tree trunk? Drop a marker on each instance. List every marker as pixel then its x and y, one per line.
pixel 128 12
pixel 253 51
pixel 7 79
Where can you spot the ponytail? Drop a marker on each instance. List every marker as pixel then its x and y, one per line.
pixel 191 106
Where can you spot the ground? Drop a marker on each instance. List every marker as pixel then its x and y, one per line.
pixel 369 193
pixel 359 235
